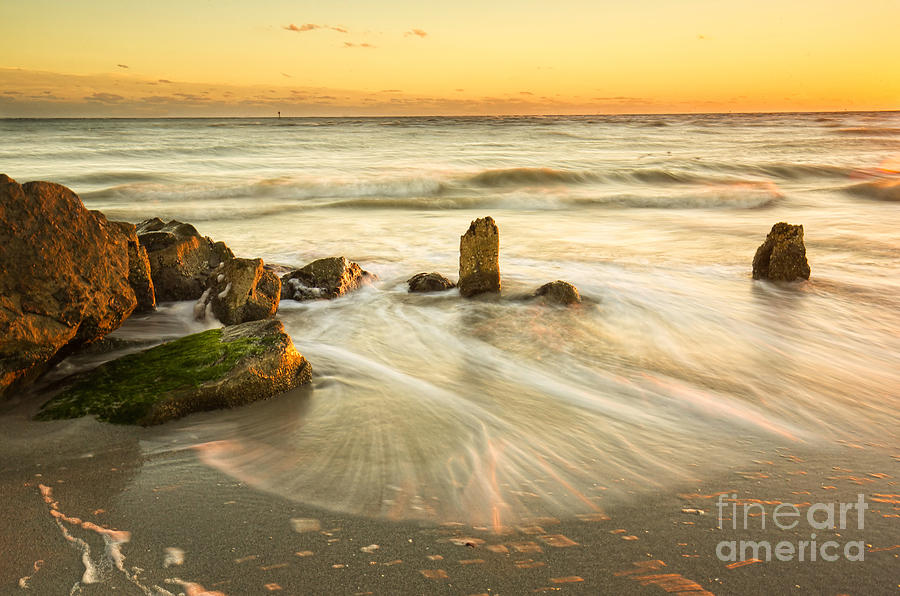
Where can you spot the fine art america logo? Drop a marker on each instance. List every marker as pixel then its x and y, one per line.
pixel 787 516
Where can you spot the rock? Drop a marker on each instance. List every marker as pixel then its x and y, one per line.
pixel 429 282
pixel 242 291
pixel 782 257
pixel 479 258
pixel 138 269
pixel 558 292
pixel 219 368
pixel 325 278
pixel 181 260
pixel 64 275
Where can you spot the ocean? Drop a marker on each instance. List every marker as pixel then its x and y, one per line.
pixel 491 410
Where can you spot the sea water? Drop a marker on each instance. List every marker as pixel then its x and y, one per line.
pixel 443 408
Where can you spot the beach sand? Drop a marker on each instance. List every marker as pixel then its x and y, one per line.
pixel 192 528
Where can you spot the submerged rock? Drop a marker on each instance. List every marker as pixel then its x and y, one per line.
pixel 181 260
pixel 429 282
pixel 558 292
pixel 243 290
pixel 324 278
pixel 479 258
pixel 64 277
pixel 138 269
pixel 782 257
pixel 219 368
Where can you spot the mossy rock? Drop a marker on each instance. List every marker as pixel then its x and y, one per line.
pixel 219 368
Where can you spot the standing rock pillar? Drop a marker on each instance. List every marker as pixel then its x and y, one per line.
pixel 479 258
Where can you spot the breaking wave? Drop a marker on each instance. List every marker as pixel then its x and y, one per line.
pixel 881 190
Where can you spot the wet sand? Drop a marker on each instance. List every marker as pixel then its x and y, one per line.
pixel 182 527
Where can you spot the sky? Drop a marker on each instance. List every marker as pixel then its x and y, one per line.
pixel 125 58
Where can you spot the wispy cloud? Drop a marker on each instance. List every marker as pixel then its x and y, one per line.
pixel 104 97
pixel 312 27
pixel 23 93
pixel 122 65
pixel 302 28
pixel 347 44
pixel 418 32
pixel 286 75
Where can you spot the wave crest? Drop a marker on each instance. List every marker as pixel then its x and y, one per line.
pixel 880 190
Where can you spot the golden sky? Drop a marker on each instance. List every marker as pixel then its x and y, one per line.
pixel 356 57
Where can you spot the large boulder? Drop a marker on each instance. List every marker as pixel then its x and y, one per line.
pixel 181 260
pixel 138 269
pixel 479 258
pixel 782 257
pixel 325 278
pixel 219 368
pixel 558 292
pixel 243 290
pixel 64 277
pixel 429 282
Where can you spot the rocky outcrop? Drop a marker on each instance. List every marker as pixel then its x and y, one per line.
pixel 324 278
pixel 242 290
pixel 138 269
pixel 64 277
pixel 219 368
pixel 429 282
pixel 181 260
pixel 782 257
pixel 558 292
pixel 479 258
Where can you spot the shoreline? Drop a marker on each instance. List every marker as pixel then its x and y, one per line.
pixel 239 540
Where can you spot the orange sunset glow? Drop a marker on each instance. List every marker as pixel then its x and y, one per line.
pixel 168 58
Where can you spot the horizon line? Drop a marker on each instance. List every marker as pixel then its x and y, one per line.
pixel 511 115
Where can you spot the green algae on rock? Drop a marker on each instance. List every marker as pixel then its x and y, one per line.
pixel 219 368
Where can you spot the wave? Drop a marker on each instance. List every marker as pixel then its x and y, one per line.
pixel 529 177
pixel 275 188
pixel 874 131
pixel 742 195
pixel 516 188
pixel 114 177
pixel 786 171
pixel 880 190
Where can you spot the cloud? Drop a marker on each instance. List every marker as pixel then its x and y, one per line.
pixel 164 81
pixel 347 44
pixel 525 93
pixel 122 65
pixel 302 28
pixel 622 98
pixel 285 75
pixel 418 32
pixel 312 27
pixel 104 97
pixel 391 91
